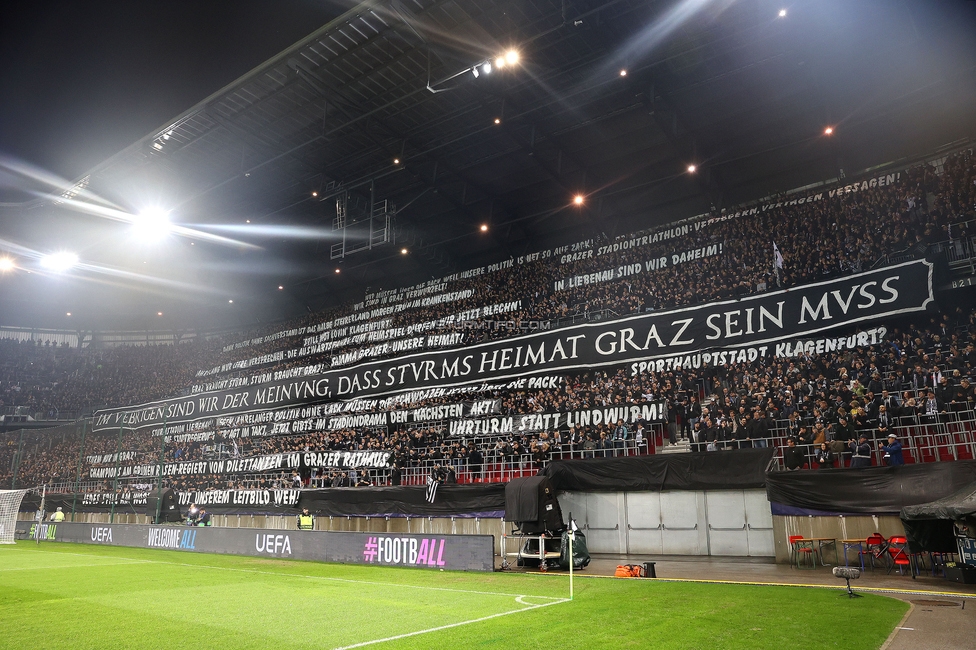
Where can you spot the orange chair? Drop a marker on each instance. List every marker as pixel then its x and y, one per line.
pixel 898 550
pixel 800 547
pixel 876 548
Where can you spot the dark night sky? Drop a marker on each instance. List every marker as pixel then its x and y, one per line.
pixel 80 81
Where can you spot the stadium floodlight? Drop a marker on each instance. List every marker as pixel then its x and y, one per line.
pixel 578 199
pixel 59 262
pixel 484 227
pixel 782 13
pixel 692 169
pixel 829 130
pixel 475 72
pixel 623 73
pixel 152 225
pixel 403 251
pixel 486 67
pixel 6 264
pixel 511 57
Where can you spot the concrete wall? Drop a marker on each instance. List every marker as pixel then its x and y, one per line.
pixel 838 527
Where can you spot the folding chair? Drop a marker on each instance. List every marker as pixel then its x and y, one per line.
pixel 876 548
pixel 898 551
pixel 800 547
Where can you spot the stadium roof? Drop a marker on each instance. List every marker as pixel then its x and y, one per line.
pixel 382 104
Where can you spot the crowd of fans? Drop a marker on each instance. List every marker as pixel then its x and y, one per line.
pixel 812 398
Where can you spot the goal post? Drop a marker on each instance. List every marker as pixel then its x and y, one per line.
pixel 9 507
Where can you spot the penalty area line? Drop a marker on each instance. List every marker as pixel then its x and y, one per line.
pixel 458 624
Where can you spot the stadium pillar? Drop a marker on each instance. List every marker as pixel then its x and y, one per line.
pixel 81 455
pixel 115 481
pixel 159 479
pixel 17 457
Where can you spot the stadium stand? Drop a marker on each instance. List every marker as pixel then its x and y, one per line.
pixel 813 398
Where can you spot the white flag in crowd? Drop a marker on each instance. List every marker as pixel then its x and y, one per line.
pixel 777 256
pixel 431 489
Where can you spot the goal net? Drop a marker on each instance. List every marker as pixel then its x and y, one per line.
pixel 9 507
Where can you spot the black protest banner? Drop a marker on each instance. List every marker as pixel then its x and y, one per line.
pixel 759 321
pixel 629 413
pixel 251 465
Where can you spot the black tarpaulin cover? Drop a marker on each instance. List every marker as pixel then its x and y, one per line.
pixel 482 498
pixel 522 498
pixel 873 490
pixel 929 526
pixel 717 470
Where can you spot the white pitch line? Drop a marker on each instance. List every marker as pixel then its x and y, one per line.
pixel 62 567
pixel 452 625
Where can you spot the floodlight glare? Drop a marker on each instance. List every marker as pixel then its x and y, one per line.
pixel 396 161
pixel 511 57
pixel 500 62
pixel 68 314
pixel 828 130
pixel 498 120
pixel 337 270
pixel 486 68
pixel 159 313
pixel 403 251
pixel 151 225
pixel 782 13
pixel 59 262
pixel 578 199
pixel 484 227
pixel 6 264
pixel 692 169
pixel 623 73
pixel 281 288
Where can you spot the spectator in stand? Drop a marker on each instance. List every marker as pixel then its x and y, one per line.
pixel 861 453
pixel 793 456
pixel 824 457
pixel 893 453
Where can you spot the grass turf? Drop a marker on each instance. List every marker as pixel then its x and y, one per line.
pixel 75 596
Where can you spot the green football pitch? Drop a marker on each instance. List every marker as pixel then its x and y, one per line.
pixel 76 596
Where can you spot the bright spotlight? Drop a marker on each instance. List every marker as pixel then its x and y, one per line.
pixel 68 314
pixel 396 161
pixel 337 270
pixel 6 264
pixel 315 193
pixel 151 225
pixel 511 57
pixel 281 288
pixel 498 120
pixel 484 227
pixel 578 199
pixel 623 73
pixel 59 262
pixel 782 13
pixel 486 68
pixel 828 130
pixel 230 302
pixel 500 62
pixel 403 251
pixel 159 313
pixel 692 169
